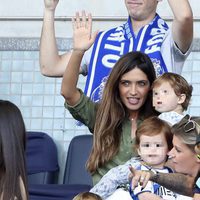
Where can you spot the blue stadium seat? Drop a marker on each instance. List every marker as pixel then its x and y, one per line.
pixel 78 153
pixel 76 178
pixel 41 159
pixel 55 192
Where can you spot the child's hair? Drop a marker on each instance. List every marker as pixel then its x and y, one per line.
pixel 178 83
pixel 12 151
pixel 154 126
pixel 87 196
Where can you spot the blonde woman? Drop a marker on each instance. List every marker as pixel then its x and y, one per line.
pixel 185 157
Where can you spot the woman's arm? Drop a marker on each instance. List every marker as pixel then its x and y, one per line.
pixel 82 41
pixel 175 182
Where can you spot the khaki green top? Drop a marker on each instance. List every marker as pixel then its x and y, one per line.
pixel 85 111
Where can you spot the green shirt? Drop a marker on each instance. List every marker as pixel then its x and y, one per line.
pixel 85 111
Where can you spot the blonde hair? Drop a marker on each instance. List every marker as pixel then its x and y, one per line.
pixel 189 136
pixel 87 196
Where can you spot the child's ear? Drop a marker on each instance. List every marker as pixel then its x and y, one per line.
pixel 138 150
pixel 181 98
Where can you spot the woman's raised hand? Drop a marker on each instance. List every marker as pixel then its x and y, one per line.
pixel 83 38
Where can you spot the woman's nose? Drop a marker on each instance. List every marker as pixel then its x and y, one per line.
pixel 133 89
pixel 171 153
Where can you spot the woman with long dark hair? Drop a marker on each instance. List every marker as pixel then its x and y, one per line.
pixel 126 101
pixel 13 181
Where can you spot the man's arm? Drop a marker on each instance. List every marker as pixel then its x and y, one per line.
pixel 51 63
pixel 182 26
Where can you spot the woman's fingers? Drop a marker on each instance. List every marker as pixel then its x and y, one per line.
pixel 89 22
pixel 83 37
pixel 144 178
pixel 139 177
pixel 82 20
pixel 135 175
pixel 77 20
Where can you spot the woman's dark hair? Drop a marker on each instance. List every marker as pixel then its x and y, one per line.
pixel 112 112
pixel 12 146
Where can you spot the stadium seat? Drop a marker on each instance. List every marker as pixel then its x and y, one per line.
pixel 76 178
pixel 78 153
pixel 41 159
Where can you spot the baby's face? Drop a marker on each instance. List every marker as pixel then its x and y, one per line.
pixel 164 98
pixel 153 150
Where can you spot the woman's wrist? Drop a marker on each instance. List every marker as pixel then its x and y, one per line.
pixel 154 175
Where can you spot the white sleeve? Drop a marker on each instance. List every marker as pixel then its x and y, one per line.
pixel 171 117
pixel 173 57
pixel 113 178
pixel 181 197
pixel 86 61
